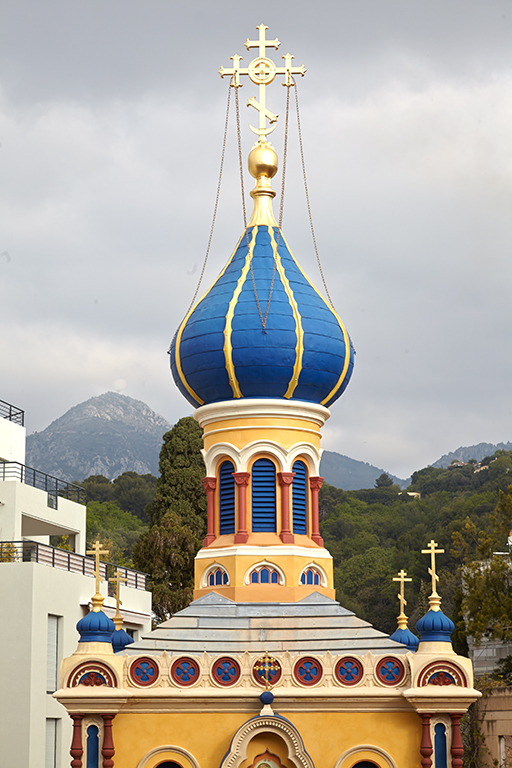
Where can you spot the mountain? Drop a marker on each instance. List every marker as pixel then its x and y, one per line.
pixel 106 435
pixel 352 475
pixel 478 452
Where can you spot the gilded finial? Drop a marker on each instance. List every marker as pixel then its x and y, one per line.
pixel 97 600
pixel 434 599
pixel 117 579
pixel 402 618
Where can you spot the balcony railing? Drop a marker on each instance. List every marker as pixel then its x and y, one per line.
pixel 34 552
pixel 11 413
pixel 13 470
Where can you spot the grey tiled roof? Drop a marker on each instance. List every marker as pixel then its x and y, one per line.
pixel 215 624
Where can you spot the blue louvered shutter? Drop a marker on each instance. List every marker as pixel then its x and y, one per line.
pixel 227 498
pixel 263 495
pixel 299 498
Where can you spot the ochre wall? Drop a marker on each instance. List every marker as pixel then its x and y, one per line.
pixel 327 735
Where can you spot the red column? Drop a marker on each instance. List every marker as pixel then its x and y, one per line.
pixel 285 479
pixel 457 749
pixel 242 481
pixel 315 483
pixel 209 485
pixel 426 742
pixel 77 748
pixel 108 750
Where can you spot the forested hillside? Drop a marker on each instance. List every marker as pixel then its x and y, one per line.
pixel 374 533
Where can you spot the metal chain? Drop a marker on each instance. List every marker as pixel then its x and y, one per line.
pixel 223 153
pixel 263 319
pixel 307 199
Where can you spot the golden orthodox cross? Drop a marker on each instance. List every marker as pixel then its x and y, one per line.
pixel 262 71
pixel 401 596
pixel 267 664
pixel 432 551
pixel 117 579
pixel 97 551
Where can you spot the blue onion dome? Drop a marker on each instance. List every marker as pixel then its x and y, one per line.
pixel 120 639
pixel 222 352
pixel 96 627
pixel 405 637
pixel 434 626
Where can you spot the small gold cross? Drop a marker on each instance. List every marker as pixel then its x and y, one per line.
pixel 267 664
pixel 97 551
pixel 432 551
pixel 401 596
pixel 117 580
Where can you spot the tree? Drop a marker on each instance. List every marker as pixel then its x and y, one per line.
pixel 383 481
pixel 487 574
pixel 117 530
pixel 97 488
pixel 178 517
pixel 133 493
pixel 167 553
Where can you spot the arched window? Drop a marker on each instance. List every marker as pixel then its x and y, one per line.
pixel 93 746
pixel 168 764
pixel 263 495
pixel 440 745
pixel 227 498
pixel 218 578
pixel 311 576
pixel 299 497
pixel 264 574
pixel 365 764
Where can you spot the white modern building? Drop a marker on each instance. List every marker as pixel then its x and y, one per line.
pixel 44 592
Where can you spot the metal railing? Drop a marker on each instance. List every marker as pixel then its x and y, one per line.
pixel 11 413
pixel 34 552
pixel 13 470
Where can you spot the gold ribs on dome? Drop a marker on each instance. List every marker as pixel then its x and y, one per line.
pixel 262 71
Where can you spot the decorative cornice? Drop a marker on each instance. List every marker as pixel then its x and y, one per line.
pixel 263 408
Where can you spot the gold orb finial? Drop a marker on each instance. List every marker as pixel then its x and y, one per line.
pixel 263 161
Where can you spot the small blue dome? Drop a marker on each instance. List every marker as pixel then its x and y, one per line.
pixel 120 639
pixel 96 627
pixel 434 626
pixel 222 352
pixel 406 637
pixel 267 697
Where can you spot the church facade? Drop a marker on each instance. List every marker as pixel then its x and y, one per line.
pixel 264 669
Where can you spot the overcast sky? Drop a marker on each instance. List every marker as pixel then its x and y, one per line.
pixel 111 121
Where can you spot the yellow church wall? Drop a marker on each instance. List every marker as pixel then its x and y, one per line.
pixel 242 431
pixel 292 565
pixel 326 735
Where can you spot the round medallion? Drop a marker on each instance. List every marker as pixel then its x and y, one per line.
pixel 390 671
pixel 262 71
pixel 267 669
pixel 144 671
pixel 349 671
pixel 185 671
pixel 308 671
pixel 226 671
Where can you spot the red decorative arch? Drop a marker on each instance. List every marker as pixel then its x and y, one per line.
pixel 92 673
pixel 438 673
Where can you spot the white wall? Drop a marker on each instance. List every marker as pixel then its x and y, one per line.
pixel 24 513
pixel 12 441
pixel 28 593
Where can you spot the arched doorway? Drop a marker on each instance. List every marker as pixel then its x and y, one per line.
pixel 365 764
pixel 168 764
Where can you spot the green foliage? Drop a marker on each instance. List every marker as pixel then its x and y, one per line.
pixel 167 553
pixel 487 574
pixel 130 491
pixel 178 516
pixel 375 532
pixel 117 530
pixel 179 488
pixel 383 481
pixel 503 671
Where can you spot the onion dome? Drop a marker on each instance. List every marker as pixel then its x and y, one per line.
pixel 405 637
pixel 96 627
pixel 120 639
pixel 434 626
pixel 262 329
